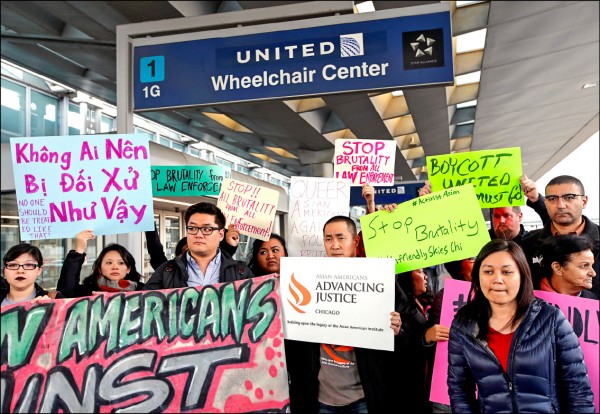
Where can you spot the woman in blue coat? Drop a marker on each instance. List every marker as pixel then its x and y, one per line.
pixel 518 352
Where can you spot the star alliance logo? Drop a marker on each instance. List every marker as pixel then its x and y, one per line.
pixel 423 49
pixel 352 45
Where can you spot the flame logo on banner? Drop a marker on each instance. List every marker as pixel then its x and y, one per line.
pixel 302 299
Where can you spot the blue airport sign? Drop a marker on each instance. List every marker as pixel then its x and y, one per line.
pixel 398 193
pixel 361 55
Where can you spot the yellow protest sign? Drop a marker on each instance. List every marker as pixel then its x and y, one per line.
pixel 429 230
pixel 495 174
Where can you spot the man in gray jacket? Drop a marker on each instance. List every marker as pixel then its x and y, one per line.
pixel 204 263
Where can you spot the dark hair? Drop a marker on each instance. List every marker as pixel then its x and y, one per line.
pixel 515 209
pixel 561 249
pixel 24 248
pixel 133 274
pixel 349 222
pixel 205 208
pixel 566 179
pixel 478 307
pixel 455 269
pixel 253 263
pixel 180 245
pixel 407 284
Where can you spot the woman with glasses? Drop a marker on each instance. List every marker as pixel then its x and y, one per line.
pixel 113 271
pixel 567 265
pixel 509 351
pixel 23 264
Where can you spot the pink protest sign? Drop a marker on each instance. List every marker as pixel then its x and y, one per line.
pixel 360 161
pixel 211 349
pixel 582 313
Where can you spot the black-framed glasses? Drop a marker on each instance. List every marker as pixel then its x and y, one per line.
pixel 25 266
pixel 205 230
pixel 567 198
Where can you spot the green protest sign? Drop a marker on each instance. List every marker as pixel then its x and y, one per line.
pixel 436 228
pixel 495 174
pixel 189 180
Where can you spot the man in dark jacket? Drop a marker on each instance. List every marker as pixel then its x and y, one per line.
pixel 204 263
pixel 565 201
pixel 333 378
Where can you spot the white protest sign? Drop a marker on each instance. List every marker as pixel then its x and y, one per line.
pixel 360 161
pixel 71 183
pixel 250 207
pixel 313 201
pixel 342 301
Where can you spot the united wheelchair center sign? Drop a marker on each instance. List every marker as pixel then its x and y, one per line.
pixel 339 54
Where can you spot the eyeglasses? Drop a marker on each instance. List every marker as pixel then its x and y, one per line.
pixel 567 198
pixel 25 266
pixel 207 230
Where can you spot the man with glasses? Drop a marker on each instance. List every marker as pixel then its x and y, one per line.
pixel 204 263
pixel 565 201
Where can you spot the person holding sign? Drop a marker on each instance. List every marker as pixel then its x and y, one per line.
pixel 567 265
pixel 565 200
pixel 203 263
pixel 335 378
pixel 546 371
pixel 266 255
pixel 113 271
pixel 23 264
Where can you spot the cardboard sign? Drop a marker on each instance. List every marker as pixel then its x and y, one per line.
pixel 313 201
pixel 211 349
pixel 188 181
pixel 324 300
pixel 359 161
pixel 250 207
pixel 72 183
pixel 418 236
pixel 495 174
pixel 582 313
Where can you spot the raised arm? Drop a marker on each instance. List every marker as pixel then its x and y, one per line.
pixel 68 282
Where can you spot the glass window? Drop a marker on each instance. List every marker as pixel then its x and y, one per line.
pixel 74 120
pixel 13 110
pixel 177 146
pixel 165 141
pixel 224 163
pixel 149 134
pixel 106 124
pixel 44 115
pixel 172 235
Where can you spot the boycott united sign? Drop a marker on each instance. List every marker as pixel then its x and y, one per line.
pixel 360 161
pixel 212 349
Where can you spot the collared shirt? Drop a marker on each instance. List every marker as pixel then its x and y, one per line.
pixel 578 231
pixel 195 275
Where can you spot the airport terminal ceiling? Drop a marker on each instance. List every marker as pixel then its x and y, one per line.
pixel 532 83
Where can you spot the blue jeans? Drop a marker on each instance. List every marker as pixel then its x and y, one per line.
pixel 357 407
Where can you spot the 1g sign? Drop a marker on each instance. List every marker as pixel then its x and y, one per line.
pixel 152 69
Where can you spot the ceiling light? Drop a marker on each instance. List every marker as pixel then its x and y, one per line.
pixel 471 41
pixel 589 85
pixel 365 7
pixel 397 93
pixel 466 104
pixel 472 77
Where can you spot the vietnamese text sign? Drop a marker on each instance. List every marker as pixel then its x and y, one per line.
pixel 581 313
pixel 250 207
pixel 313 201
pixel 344 53
pixel 71 183
pixel 495 174
pixel 417 235
pixel 189 180
pixel 360 161
pixel 324 300
pixel 211 349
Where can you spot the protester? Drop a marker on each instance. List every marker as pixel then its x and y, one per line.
pixel 332 378
pixel 204 263
pixel 546 371
pixel 23 263
pixel 411 353
pixel 266 255
pixel 567 265
pixel 157 251
pixel 113 271
pixel 565 201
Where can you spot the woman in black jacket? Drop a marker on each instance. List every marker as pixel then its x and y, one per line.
pixel 113 271
pixel 519 352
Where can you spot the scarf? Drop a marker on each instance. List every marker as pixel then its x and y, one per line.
pixel 123 285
